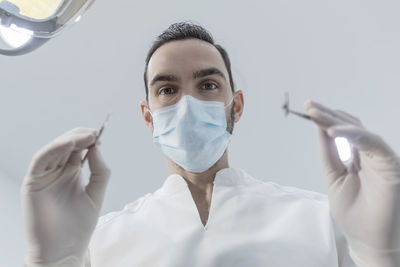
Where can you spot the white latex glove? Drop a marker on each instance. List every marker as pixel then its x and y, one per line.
pixel 59 212
pixel 364 197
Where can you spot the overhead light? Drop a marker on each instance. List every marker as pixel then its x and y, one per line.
pixel 26 25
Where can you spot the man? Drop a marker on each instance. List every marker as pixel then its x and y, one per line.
pixel 207 213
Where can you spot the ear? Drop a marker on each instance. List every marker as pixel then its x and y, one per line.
pixel 239 104
pixel 148 120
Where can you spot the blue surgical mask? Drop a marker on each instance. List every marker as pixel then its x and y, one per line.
pixel 192 132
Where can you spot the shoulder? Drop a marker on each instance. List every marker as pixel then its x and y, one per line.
pixel 132 207
pixel 273 189
pixel 300 193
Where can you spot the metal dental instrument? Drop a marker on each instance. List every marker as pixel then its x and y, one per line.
pixel 287 109
pixel 344 148
pixel 98 136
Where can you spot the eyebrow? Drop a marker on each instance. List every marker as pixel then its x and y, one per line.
pixel 164 77
pixel 196 75
pixel 207 72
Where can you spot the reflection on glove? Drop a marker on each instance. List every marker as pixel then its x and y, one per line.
pixel 364 197
pixel 59 212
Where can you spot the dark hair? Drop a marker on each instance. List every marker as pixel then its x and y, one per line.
pixel 183 31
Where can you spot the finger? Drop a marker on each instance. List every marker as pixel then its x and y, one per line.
pixel 332 165
pixel 323 119
pixel 355 166
pixel 61 159
pixel 51 155
pixel 338 114
pixel 349 117
pixel 58 162
pixel 75 158
pixel 79 130
pixel 99 177
pixel 44 156
pixel 363 140
pixel 75 134
pixel 83 141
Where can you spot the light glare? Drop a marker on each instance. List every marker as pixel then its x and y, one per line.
pixel 343 148
pixel 78 18
pixel 15 36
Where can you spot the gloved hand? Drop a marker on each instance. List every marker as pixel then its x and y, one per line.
pixel 60 213
pixel 364 197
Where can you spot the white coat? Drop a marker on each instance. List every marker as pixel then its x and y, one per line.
pixel 251 223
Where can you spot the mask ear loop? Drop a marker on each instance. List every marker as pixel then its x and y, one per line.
pixel 151 113
pixel 151 116
pixel 230 102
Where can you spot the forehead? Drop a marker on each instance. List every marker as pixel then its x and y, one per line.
pixel 183 57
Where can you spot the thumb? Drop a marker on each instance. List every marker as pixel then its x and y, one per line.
pixel 332 165
pixel 99 176
pixel 363 140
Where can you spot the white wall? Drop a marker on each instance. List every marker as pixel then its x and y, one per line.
pixel 12 240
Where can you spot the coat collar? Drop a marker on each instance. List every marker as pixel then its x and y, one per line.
pixel 224 177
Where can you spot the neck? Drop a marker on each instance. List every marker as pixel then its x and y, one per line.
pixel 200 182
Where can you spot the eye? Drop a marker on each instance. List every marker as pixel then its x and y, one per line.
pixel 166 90
pixel 210 86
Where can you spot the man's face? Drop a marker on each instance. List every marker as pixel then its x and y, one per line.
pixel 189 67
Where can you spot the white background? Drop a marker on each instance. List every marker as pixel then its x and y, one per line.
pixel 344 54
